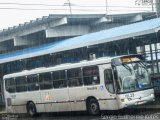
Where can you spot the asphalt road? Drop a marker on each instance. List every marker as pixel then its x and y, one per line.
pixel 127 114
pixel 151 112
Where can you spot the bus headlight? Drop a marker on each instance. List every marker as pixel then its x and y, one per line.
pixel 152 95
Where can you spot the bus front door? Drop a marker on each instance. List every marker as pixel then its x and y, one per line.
pixel 106 72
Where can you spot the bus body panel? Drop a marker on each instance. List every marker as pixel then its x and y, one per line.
pixel 9 108
pixel 77 97
pixel 19 101
pixel 56 100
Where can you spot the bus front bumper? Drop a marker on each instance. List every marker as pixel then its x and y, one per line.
pixel 124 103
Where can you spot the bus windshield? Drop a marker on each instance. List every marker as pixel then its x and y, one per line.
pixel 132 76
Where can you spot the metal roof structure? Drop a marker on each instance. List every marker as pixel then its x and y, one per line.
pixel 59 27
pixel 79 18
pixel 104 36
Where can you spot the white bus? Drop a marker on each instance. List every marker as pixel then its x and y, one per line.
pixel 100 84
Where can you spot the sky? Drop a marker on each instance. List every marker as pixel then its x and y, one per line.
pixel 15 12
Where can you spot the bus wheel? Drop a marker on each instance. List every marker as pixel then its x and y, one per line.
pixel 31 109
pixel 93 107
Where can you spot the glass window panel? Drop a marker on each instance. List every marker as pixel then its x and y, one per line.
pixel 62 75
pixel 55 75
pixel 60 84
pixel 59 79
pixel 91 75
pixel 21 88
pixel 10 85
pixel 21 84
pixel 75 82
pixel 32 79
pixel 74 77
pixel 33 83
pixel 74 73
pixel 45 80
pixel 20 80
pixel 59 75
pixel 108 79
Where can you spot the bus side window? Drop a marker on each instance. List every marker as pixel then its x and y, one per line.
pixel 91 75
pixel 33 83
pixel 74 77
pixel 21 84
pixel 0 93
pixel 10 85
pixel 59 79
pixel 108 79
pixel 45 81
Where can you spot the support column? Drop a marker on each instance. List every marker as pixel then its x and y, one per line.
pixel 158 7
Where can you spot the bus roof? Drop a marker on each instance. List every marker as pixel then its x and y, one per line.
pixel 94 62
pixel 103 60
pixel 118 33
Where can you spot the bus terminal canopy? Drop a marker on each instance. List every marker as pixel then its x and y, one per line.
pixel 104 36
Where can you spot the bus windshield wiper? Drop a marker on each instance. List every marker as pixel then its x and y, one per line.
pixel 127 67
pixel 143 65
